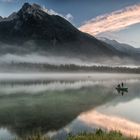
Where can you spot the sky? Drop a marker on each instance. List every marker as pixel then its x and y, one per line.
pixel 114 19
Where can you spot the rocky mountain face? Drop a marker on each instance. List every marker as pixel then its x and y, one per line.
pixel 32 23
pixel 33 29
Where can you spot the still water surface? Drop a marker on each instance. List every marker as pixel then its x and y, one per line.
pixel 59 104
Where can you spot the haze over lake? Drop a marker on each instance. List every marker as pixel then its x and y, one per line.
pixel 58 104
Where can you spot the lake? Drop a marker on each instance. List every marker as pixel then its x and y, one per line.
pixel 57 104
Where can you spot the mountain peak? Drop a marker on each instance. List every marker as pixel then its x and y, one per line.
pixel 31 22
pixel 26 6
pixel 30 8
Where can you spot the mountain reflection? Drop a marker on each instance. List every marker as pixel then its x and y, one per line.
pixel 46 107
pixel 23 112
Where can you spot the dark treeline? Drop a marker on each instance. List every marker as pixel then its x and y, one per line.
pixel 66 68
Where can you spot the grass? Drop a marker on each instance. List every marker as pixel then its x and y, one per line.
pixel 100 135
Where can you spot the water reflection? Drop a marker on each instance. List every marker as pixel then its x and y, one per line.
pixel 48 105
pixel 23 113
pixel 120 113
pixel 6 135
pixel 110 122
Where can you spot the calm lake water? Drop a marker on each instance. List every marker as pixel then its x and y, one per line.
pixel 59 104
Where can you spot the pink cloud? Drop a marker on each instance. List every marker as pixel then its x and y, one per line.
pixel 114 21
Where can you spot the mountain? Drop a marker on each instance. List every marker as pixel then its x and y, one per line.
pixel 33 30
pixel 32 23
pixel 48 33
pixel 125 48
pixel 1 18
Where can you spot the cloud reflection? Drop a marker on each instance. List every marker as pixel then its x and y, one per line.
pixel 127 127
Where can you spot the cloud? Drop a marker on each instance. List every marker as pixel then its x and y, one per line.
pixel 114 21
pixel 68 16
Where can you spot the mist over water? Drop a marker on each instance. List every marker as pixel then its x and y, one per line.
pixel 30 100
